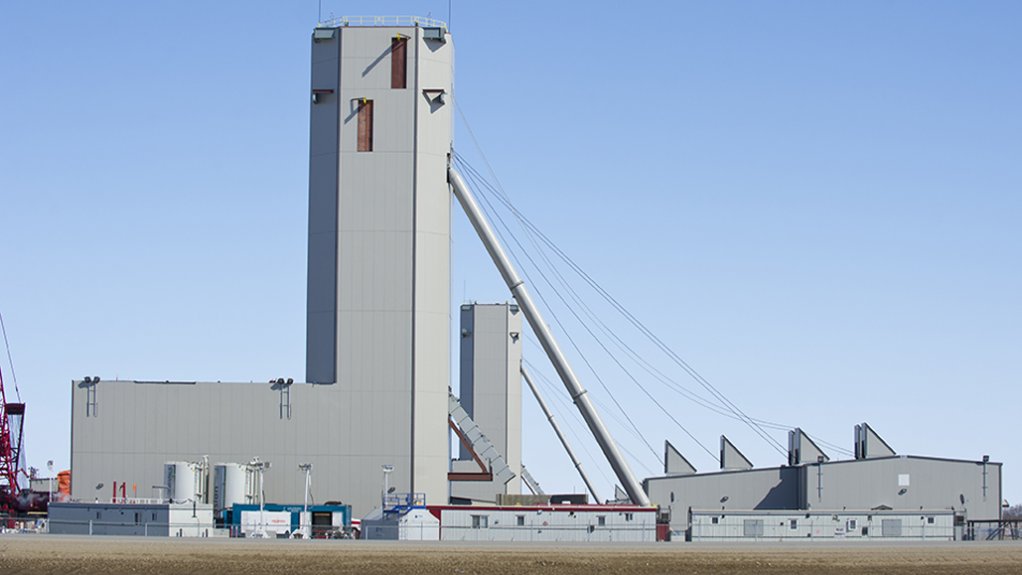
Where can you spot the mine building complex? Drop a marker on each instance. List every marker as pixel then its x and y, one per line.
pixel 375 415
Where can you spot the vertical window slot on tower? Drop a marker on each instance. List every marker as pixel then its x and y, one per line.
pixel 399 63
pixel 365 125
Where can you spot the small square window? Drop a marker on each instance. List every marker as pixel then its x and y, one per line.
pixel 629 516
pixel 601 520
pixel 715 520
pixel 520 521
pixel 480 521
pixel 930 520
pixel 794 523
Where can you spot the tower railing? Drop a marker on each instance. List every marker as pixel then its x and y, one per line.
pixel 383 21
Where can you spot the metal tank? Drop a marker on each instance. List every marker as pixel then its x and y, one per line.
pixel 232 483
pixel 179 477
pixel 186 480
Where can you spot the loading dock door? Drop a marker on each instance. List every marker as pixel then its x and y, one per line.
pixel 891 528
pixel 753 528
pixel 322 523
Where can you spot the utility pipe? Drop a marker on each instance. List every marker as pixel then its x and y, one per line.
pixel 546 339
pixel 557 430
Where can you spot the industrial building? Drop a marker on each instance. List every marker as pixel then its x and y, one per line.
pixel 132 518
pixel 378 303
pixel 766 525
pixel 554 523
pixel 526 523
pixel 374 417
pixel 877 480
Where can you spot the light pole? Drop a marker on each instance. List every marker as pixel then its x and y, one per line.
pixel 307 527
pixel 49 468
pixel 260 466
pixel 387 469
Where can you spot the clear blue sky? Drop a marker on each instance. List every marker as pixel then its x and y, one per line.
pixel 817 205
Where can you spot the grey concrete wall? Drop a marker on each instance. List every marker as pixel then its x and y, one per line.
pixel 491 390
pixel 324 131
pixel 379 252
pixel 136 427
pixel 932 484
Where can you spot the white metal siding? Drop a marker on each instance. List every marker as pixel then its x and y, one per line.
pixel 799 526
pixel 547 525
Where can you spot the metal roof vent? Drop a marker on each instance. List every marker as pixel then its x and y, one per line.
pixel 434 34
pixel 322 34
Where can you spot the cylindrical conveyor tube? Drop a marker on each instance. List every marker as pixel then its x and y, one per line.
pixel 557 430
pixel 546 339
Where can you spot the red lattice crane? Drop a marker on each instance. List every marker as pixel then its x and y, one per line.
pixel 12 421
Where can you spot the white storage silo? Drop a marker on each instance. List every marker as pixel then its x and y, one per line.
pixel 180 479
pixel 231 484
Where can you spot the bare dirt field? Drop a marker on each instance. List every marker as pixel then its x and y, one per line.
pixel 62 554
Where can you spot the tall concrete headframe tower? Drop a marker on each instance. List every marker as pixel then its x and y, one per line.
pixel 379 237
pixel 491 392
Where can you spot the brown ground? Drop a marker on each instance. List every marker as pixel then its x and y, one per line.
pixel 61 554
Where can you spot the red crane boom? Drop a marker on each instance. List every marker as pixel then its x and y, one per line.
pixel 12 420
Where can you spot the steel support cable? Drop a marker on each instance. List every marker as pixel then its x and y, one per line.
pixel 833 447
pixel 605 408
pixel 741 416
pixel 649 368
pixel 568 419
pixel 550 386
pixel 611 414
pixel 563 407
pixel 564 329
pixel 725 402
pixel 642 362
pixel 611 354
pixel 497 217
pixel 557 320
pixel 623 368
pixel 632 354
pixel 10 361
pixel 668 382
pixel 654 372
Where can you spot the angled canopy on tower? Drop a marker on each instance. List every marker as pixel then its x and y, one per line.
pixel 730 458
pixel 802 449
pixel 675 463
pixel 869 445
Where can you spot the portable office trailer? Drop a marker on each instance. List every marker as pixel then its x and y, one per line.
pixel 581 523
pixel 132 519
pixel 412 524
pixel 749 525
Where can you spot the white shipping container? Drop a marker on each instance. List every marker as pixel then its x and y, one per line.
pixel 272 522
